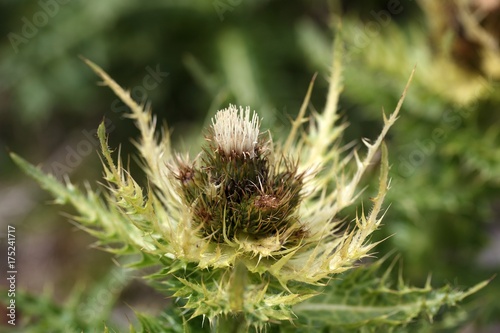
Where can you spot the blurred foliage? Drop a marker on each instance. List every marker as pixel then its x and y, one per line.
pixel 445 160
pixel 445 194
pixel 86 308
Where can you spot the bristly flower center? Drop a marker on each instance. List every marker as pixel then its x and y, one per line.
pixel 236 132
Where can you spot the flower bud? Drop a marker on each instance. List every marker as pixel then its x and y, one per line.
pixel 237 192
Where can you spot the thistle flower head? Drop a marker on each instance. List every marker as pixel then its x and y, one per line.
pixel 236 195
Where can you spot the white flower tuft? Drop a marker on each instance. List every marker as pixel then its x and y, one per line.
pixel 235 133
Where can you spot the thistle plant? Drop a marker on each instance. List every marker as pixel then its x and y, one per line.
pixel 249 228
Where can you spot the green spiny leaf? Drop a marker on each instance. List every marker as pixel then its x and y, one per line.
pixel 360 298
pixel 114 230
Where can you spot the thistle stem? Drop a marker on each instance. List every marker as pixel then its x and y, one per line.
pixel 237 285
pixel 234 322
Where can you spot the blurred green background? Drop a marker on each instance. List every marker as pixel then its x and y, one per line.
pixel 190 58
